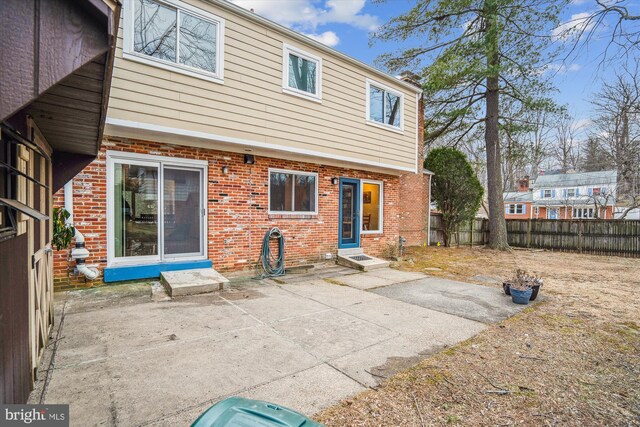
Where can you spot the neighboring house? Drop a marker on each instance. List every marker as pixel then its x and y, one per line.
pixel 54 84
pixel 585 195
pixel 517 205
pixel 223 124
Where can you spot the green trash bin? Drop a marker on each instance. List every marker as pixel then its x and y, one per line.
pixel 240 412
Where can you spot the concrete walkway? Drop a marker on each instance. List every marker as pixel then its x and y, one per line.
pixel 304 341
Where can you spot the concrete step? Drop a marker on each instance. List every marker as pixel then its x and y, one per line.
pixel 362 262
pixel 350 251
pixel 191 282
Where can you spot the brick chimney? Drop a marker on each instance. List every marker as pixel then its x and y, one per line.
pixel 523 184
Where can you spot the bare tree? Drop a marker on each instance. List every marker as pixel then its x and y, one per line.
pixel 616 19
pixel 566 150
pixel 617 128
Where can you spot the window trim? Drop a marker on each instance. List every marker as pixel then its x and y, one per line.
pixel 381 208
pixel 385 88
pixel 289 49
pixel 515 208
pixel 583 210
pixel 114 157
pixel 544 194
pixel 293 192
pixel 129 53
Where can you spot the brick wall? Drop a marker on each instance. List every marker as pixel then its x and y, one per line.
pixel 237 209
pixel 414 195
pixel 529 213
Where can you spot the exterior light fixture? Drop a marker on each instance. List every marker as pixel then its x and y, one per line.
pixel 249 159
pixel 334 181
pixel 225 170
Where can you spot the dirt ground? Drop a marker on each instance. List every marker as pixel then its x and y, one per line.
pixel 571 360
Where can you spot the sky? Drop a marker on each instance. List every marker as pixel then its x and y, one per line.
pixel 346 26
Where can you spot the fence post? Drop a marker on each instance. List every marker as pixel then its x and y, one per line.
pixel 580 224
pixel 529 233
pixel 472 221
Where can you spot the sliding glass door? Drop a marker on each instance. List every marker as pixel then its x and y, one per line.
pixel 156 209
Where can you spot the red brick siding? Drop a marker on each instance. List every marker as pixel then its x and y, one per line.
pixel 237 209
pixel 528 211
pixel 566 213
pixel 414 195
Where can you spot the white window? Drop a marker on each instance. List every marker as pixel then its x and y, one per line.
pixel 156 208
pixel 547 194
pixel 293 192
pixel 515 208
pixel 571 192
pixel 384 106
pixel 174 35
pixel 372 207
pixel 301 73
pixel 583 213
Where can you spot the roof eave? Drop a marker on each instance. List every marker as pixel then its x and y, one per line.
pixel 238 10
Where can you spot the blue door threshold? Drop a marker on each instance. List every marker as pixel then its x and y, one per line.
pixel 150 271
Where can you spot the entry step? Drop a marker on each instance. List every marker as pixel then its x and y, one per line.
pixel 191 282
pixel 361 261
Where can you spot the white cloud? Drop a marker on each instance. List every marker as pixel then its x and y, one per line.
pixel 576 25
pixel 563 68
pixel 329 38
pixel 581 124
pixel 309 14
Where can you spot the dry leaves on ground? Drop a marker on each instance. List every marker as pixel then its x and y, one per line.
pixel 571 360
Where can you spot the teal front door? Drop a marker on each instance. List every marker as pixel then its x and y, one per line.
pixel 349 218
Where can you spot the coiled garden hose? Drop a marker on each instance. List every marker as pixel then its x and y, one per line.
pixel 273 266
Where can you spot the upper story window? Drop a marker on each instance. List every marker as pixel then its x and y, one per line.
pixel 301 73
pixel 293 192
pixel 571 192
pixel 547 194
pixel 173 35
pixel 384 106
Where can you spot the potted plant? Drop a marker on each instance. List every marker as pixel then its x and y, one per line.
pixel 63 232
pixel 523 284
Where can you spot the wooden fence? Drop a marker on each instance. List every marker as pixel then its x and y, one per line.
pixel 600 237
pixel 474 232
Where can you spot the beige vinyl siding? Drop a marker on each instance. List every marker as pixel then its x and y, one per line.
pixel 250 105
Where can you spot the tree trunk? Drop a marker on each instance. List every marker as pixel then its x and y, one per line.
pixel 497 224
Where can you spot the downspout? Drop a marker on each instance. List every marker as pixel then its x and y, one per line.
pixel 429 213
pixel 80 254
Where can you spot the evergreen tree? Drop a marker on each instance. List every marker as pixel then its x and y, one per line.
pixel 482 64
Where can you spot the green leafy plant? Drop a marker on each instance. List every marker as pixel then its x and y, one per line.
pixel 62 231
pixel 455 189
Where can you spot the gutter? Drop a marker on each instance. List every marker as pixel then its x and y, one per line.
pixel 237 10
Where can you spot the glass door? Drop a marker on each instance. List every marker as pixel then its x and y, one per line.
pixel 157 211
pixel 182 213
pixel 135 222
pixel 349 218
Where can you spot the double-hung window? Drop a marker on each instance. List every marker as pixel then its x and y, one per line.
pixel 301 73
pixel 173 35
pixel 293 192
pixel 515 208
pixel 384 106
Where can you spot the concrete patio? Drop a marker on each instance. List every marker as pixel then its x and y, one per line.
pixel 304 341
